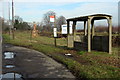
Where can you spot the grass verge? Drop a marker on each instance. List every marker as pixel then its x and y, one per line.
pixel 86 65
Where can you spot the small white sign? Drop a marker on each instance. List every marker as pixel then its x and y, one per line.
pixel 64 29
pixel 52 18
pixel 55 32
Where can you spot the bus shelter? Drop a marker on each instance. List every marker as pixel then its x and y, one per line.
pixel 89 31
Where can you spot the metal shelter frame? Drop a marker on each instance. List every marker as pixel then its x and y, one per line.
pixel 89 29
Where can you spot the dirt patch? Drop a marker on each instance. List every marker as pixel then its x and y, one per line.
pixel 113 61
pixel 90 59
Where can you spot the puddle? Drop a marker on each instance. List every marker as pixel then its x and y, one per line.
pixel 28 60
pixel 13 76
pixel 9 55
pixel 6 46
pixel 10 76
pixel 9 66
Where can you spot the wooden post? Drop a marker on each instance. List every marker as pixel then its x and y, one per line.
pixel 68 24
pixel 53 20
pixel 89 35
pixel 74 29
pixel 110 35
pixel 13 33
pixel 68 33
pixel 93 33
pixel 55 41
pixel 12 19
pixel 10 32
pixel 55 35
pixel 85 30
pixel 93 28
pixel 68 27
pixel 55 27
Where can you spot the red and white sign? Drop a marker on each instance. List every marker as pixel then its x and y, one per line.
pixel 52 18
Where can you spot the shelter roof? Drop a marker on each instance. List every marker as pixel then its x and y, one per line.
pixel 85 18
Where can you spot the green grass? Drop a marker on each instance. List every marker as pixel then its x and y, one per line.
pixel 82 52
pixel 91 67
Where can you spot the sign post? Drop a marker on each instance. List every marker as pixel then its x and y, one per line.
pixel 55 34
pixel 52 19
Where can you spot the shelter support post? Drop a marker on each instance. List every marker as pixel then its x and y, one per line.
pixel 110 34
pixel 74 29
pixel 68 27
pixel 89 34
pixel 93 28
pixel 85 30
pixel 70 38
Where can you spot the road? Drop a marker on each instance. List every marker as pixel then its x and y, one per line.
pixel 33 64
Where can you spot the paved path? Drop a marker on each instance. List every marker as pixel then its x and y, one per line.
pixel 34 64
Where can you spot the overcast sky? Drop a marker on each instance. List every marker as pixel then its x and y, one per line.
pixel 34 9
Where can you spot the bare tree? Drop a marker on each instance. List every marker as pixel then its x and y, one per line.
pixel 46 20
pixel 60 21
pixel 19 19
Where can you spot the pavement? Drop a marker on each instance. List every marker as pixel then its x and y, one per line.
pixel 33 64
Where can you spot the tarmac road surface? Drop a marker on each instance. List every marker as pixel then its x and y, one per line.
pixel 33 64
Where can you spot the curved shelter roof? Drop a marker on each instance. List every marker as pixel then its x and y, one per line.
pixel 85 18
